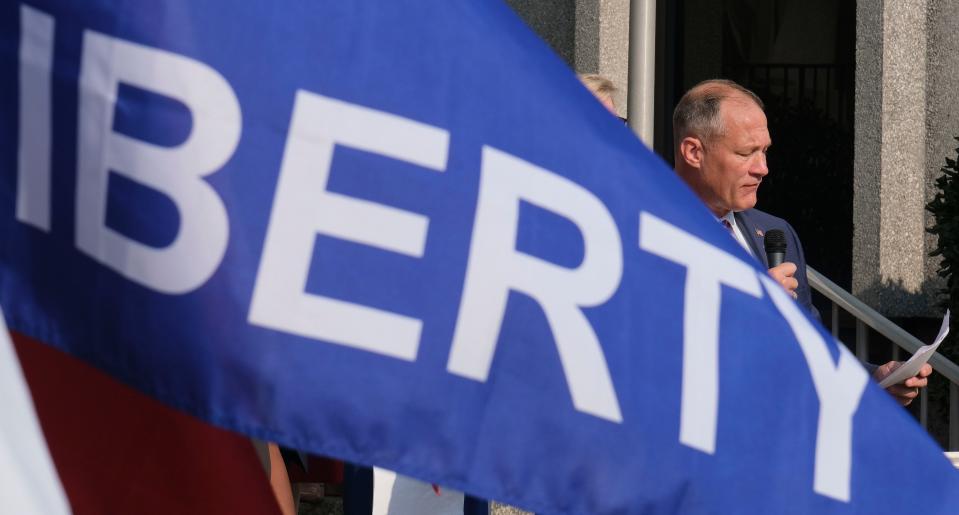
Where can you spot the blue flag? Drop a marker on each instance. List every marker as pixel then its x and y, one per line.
pixel 401 233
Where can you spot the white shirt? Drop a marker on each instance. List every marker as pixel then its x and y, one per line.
pixel 737 234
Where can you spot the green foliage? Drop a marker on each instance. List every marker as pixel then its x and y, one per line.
pixel 945 210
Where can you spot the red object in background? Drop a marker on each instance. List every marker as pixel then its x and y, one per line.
pixel 119 451
pixel 320 470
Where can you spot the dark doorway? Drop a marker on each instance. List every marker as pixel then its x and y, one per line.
pixel 799 57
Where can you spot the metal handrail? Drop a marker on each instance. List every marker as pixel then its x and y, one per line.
pixel 881 324
pixel 866 316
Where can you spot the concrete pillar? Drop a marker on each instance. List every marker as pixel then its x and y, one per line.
pixel 602 43
pixel 554 21
pixel 592 36
pixel 889 247
pixel 907 90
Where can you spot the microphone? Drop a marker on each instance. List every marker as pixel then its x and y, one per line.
pixel 775 243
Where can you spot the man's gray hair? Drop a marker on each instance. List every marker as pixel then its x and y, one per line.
pixel 697 113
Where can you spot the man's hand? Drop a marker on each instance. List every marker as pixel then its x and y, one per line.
pixel 907 390
pixel 783 274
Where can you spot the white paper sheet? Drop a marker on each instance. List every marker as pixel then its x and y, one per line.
pixel 394 494
pixel 911 367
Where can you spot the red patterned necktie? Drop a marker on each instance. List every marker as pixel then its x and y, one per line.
pixel 726 224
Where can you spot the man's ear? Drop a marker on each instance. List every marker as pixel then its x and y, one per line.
pixel 691 150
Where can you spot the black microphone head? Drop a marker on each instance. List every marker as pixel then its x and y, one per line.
pixel 775 241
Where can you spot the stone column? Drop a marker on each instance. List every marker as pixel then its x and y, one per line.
pixel 592 36
pixel 602 43
pixel 889 247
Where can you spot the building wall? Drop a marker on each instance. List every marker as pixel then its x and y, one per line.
pixel 907 111
pixel 592 36
pixel 554 21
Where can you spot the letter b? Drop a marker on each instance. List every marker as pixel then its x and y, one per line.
pixel 177 172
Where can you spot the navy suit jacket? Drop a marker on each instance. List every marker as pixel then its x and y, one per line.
pixel 754 224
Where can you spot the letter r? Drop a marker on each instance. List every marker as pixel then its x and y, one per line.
pixel 495 267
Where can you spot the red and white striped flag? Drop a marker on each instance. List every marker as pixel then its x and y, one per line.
pixel 111 449
pixel 28 481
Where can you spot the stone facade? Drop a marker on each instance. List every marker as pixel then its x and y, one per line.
pixel 907 112
pixel 906 115
pixel 592 36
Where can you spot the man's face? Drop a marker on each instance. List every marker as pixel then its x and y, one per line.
pixel 734 163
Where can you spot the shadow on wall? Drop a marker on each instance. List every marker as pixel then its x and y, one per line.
pixel 896 301
pixel 555 23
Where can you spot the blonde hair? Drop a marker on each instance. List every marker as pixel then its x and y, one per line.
pixel 598 84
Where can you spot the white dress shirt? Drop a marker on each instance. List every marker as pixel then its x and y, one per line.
pixel 737 234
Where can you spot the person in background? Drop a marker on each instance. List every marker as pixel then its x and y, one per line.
pixel 720 142
pixel 269 456
pixel 602 88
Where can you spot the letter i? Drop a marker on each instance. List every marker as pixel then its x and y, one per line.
pixel 33 157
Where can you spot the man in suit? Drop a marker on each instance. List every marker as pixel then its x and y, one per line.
pixel 720 143
pixel 754 224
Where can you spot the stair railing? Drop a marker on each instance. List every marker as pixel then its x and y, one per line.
pixel 867 317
